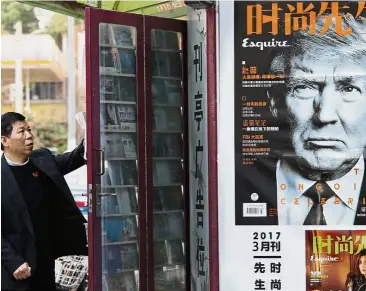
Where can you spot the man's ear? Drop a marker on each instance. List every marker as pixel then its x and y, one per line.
pixel 272 105
pixel 5 141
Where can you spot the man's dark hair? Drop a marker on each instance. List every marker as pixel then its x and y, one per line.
pixel 7 121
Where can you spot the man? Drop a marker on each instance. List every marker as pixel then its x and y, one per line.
pixel 321 110
pixel 40 220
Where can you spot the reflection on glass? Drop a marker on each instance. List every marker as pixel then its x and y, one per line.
pixel 118 123
pixel 166 87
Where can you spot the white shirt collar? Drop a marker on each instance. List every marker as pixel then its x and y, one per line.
pixel 287 175
pixel 11 163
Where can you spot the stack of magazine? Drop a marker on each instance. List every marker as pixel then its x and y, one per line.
pixel 120 258
pixel 168 145
pixel 168 198
pixel 119 145
pixel 117 88
pixel 168 226
pixel 168 253
pixel 120 173
pixel 117 50
pixel 122 201
pixel 167 119
pixel 119 229
pixel 164 39
pixel 167 92
pixel 117 61
pixel 167 165
pixel 118 117
pixel 166 54
pixel 120 282
pixel 167 173
pixel 170 278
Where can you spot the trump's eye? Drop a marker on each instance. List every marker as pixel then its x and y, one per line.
pixel 304 91
pixel 350 89
pixel 350 93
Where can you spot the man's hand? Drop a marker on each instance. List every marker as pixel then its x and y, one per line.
pixel 23 272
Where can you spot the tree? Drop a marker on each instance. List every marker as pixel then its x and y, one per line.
pixel 57 27
pixel 49 134
pixel 12 12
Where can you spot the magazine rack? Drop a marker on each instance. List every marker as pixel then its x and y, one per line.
pixel 136 133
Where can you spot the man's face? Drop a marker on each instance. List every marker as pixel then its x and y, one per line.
pixel 326 103
pixel 20 142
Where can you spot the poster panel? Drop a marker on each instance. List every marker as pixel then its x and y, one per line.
pixel 300 113
pixel 297 87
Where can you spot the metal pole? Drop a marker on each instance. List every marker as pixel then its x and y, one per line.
pixel 71 139
pixel 18 69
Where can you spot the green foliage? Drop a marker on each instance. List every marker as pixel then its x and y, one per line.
pixel 12 12
pixel 49 134
pixel 57 27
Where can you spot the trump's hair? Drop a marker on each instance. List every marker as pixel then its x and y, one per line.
pixel 328 46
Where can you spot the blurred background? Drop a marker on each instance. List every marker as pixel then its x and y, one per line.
pixel 43 77
pixel 43 70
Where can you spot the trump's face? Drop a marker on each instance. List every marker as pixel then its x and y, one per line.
pixel 326 105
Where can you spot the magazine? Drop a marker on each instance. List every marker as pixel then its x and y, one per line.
pixel 109 60
pixel 121 35
pixel 168 198
pixel 120 229
pixel 168 145
pixel 125 281
pixel 167 172
pixel 126 200
pixel 129 257
pixel 167 119
pixel 334 259
pixel 117 88
pixel 164 39
pixel 175 252
pixel 111 260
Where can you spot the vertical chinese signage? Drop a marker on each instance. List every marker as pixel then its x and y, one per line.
pixel 294 215
pixel 198 150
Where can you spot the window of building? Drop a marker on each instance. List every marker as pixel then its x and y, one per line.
pixel 46 91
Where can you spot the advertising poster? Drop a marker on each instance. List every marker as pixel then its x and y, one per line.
pixel 292 195
pixel 300 113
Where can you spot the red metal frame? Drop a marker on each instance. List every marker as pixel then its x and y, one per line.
pixel 181 27
pixel 212 149
pixel 93 18
pixel 91 163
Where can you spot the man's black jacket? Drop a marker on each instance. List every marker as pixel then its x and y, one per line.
pixel 17 238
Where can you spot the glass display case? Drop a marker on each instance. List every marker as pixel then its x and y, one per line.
pixel 118 124
pixel 136 148
pixel 166 108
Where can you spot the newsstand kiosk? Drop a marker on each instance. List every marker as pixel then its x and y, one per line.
pixel 151 140
pixel 197 133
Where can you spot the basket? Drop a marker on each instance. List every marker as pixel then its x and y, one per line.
pixel 70 271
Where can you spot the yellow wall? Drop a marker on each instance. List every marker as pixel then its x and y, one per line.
pixel 44 111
